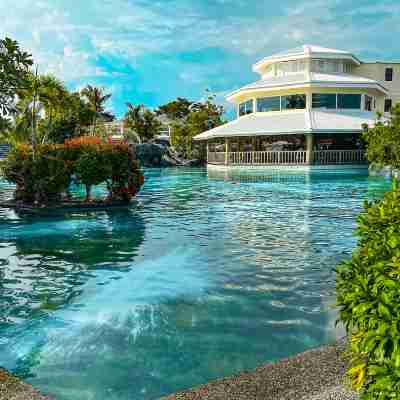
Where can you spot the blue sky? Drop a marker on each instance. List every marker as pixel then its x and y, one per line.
pixel 153 51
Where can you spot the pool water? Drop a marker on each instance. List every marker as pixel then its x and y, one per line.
pixel 206 274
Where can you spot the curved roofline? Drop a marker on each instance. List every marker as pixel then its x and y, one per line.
pixel 306 121
pixel 308 84
pixel 306 51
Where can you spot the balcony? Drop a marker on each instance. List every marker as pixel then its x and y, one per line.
pixel 294 158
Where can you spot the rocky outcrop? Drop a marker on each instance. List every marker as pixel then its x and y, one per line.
pixel 157 155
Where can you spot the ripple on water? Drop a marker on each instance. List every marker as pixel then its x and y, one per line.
pixel 206 274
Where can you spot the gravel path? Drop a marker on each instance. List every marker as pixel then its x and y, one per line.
pixel 314 375
pixel 11 388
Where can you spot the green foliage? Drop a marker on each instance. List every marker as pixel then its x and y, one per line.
pixel 47 177
pixel 177 109
pixel 190 119
pixel 142 121
pixel 14 66
pixel 383 141
pixel 41 179
pixel 96 99
pixel 368 296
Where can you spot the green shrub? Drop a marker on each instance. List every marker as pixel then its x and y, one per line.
pixel 368 296
pixel 41 179
pixel 46 177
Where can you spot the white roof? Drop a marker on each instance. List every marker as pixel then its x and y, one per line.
pixel 292 122
pixel 306 51
pixel 314 79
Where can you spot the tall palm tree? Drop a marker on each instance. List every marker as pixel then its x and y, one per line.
pixel 96 98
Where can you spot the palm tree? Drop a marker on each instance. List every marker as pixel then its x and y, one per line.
pixel 96 98
pixel 142 121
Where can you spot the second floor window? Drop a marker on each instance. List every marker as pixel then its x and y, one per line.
pixel 269 104
pixel 388 105
pixel 246 108
pixel 324 100
pixel 349 101
pixel 295 101
pixel 388 74
pixel 368 103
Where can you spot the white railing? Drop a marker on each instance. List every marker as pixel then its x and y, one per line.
pixel 322 157
pixel 267 157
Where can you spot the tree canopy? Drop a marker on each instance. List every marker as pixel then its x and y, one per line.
pixel 14 68
pixel 189 119
pixel 143 121
pixel 383 140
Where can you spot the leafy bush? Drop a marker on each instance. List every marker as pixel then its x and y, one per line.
pixel 383 140
pixel 45 177
pixel 368 296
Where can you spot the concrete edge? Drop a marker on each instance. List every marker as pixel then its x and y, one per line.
pixel 317 374
pixel 12 388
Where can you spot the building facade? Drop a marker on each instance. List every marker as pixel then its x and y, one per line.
pixel 308 108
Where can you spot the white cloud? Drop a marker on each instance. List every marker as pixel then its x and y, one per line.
pixel 68 38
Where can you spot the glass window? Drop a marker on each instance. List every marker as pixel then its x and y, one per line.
pixel 269 104
pixel 388 105
pixel 246 108
pixel 388 74
pixel 349 101
pixel 323 100
pixel 295 101
pixel 368 103
pixel 347 68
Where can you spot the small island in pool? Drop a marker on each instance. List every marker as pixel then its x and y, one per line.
pixel 44 174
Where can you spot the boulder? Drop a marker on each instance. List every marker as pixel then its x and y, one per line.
pixel 158 155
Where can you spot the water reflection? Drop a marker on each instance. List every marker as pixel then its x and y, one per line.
pixel 46 260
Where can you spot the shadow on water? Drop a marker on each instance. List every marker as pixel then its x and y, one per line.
pixel 44 261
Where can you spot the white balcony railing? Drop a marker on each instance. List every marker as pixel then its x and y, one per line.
pixel 339 157
pixel 323 157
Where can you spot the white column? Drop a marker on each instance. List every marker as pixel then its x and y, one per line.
pixel 309 148
pixel 226 151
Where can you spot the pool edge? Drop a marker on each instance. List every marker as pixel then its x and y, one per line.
pixel 316 374
pixel 12 388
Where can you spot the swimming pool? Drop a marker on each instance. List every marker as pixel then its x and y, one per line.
pixel 206 274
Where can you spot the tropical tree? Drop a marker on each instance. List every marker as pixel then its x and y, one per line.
pixel 190 119
pixel 96 99
pixel 383 140
pixel 141 120
pixel 14 67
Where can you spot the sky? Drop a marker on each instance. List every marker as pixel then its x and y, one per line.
pixel 151 52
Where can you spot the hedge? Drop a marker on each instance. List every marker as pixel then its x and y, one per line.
pixel 368 296
pixel 47 177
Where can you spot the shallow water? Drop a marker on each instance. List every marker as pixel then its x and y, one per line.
pixel 206 274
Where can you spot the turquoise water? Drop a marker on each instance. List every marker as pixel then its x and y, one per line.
pixel 204 275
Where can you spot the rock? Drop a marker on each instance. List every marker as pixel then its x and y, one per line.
pixel 158 155
pixel 150 154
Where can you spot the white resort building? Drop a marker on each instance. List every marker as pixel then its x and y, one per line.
pixel 308 108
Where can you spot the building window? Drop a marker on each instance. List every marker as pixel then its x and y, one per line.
pixel 349 101
pixel 388 105
pixel 269 104
pixel 347 68
pixel 368 103
pixel 295 101
pixel 388 74
pixel 323 100
pixel 290 67
pixel 246 108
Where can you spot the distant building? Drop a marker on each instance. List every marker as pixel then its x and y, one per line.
pixel 308 108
